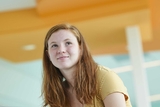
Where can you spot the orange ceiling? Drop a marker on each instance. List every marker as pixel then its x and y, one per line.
pixel 45 7
pixel 102 22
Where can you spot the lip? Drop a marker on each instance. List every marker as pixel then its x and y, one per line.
pixel 62 57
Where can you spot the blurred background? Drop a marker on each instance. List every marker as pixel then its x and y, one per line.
pixel 23 26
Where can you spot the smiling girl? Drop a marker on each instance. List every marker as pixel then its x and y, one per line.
pixel 71 78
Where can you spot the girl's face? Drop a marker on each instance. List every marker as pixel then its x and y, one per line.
pixel 63 50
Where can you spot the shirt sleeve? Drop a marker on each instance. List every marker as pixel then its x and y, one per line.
pixel 110 83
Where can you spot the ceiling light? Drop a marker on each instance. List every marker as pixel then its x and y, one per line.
pixel 29 47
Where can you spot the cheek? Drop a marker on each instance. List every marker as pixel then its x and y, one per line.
pixel 74 50
pixel 51 54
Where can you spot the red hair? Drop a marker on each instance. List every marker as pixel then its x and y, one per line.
pixel 53 88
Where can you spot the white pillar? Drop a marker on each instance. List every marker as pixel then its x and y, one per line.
pixel 137 60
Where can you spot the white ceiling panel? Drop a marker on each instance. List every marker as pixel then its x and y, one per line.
pixel 10 5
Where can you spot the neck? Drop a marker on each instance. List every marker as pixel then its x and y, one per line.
pixel 69 76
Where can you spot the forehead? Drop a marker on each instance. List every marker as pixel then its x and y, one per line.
pixel 61 35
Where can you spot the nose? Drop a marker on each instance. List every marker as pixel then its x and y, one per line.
pixel 61 49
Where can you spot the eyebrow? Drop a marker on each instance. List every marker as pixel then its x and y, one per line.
pixel 55 42
pixel 67 39
pixel 52 43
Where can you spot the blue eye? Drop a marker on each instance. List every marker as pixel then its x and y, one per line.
pixel 68 43
pixel 54 45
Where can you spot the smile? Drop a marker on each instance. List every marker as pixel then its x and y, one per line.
pixel 63 57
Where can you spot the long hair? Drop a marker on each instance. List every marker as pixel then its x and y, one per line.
pixel 53 89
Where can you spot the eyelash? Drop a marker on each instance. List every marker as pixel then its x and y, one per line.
pixel 54 45
pixel 67 43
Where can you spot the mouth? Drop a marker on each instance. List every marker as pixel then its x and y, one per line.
pixel 63 57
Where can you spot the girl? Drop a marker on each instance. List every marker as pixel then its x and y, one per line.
pixel 71 78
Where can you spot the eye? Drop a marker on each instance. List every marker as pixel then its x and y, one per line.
pixel 68 43
pixel 54 45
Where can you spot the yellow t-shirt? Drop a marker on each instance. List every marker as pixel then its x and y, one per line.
pixel 108 82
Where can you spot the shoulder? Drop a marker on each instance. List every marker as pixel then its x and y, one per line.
pixel 109 82
pixel 105 73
